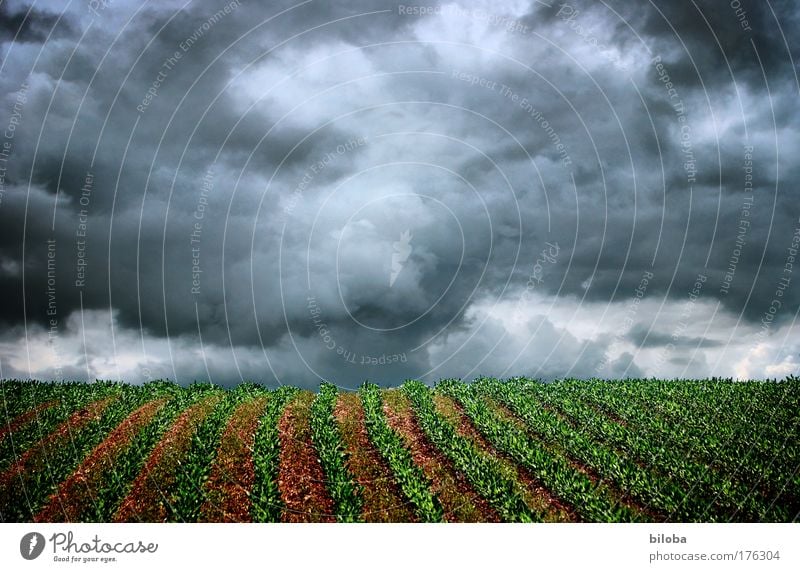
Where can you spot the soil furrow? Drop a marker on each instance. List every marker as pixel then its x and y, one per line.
pixel 29 459
pixel 72 496
pixel 460 501
pixel 536 495
pixel 301 480
pixel 233 473
pixel 25 418
pixel 383 501
pixel 150 495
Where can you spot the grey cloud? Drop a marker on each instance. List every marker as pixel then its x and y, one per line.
pixel 644 338
pixel 264 250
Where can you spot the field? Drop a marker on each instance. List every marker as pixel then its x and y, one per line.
pixel 488 451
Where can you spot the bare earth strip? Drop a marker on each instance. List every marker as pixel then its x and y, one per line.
pixel 66 504
pixel 301 479
pixel 29 460
pixel 233 473
pixel 25 418
pixel 148 498
pixel 535 495
pixel 460 501
pixel 383 501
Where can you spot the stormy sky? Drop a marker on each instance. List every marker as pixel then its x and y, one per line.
pixel 292 191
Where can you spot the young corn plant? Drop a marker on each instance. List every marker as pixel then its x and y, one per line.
pixel 483 472
pixel 555 472
pixel 57 459
pixel 266 498
pixel 70 398
pixel 117 480
pixel 409 477
pixel 195 468
pixel 341 485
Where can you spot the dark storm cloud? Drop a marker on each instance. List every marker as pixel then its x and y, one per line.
pixel 641 337
pixel 678 34
pixel 699 39
pixel 31 25
pixel 717 37
pixel 211 138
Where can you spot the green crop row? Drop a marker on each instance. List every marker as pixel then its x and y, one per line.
pixel 130 462
pixel 591 501
pixel 481 470
pixel 340 484
pixel 744 449
pixel 27 494
pixel 18 397
pixel 654 491
pixel 720 494
pixel 266 499
pixel 739 450
pixel 71 397
pixel 409 477
pixel 193 472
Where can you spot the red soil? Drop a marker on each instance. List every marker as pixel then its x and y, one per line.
pixel 150 492
pixel 459 500
pixel 383 501
pixel 233 473
pixel 25 418
pixel 301 479
pixel 67 503
pixel 60 437
pixel 537 495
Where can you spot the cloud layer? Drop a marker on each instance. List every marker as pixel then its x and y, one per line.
pixel 372 190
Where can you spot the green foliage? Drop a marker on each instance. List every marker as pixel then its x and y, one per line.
pixel 409 477
pixel 70 398
pixel 341 485
pixel 482 471
pixel 689 450
pixel 719 435
pixel 22 499
pixel 131 461
pixel 711 491
pixel 194 469
pixel 17 397
pixel 592 502
pixel 662 495
pixel 265 496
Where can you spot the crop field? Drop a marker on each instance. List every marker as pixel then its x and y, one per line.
pixel 488 451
